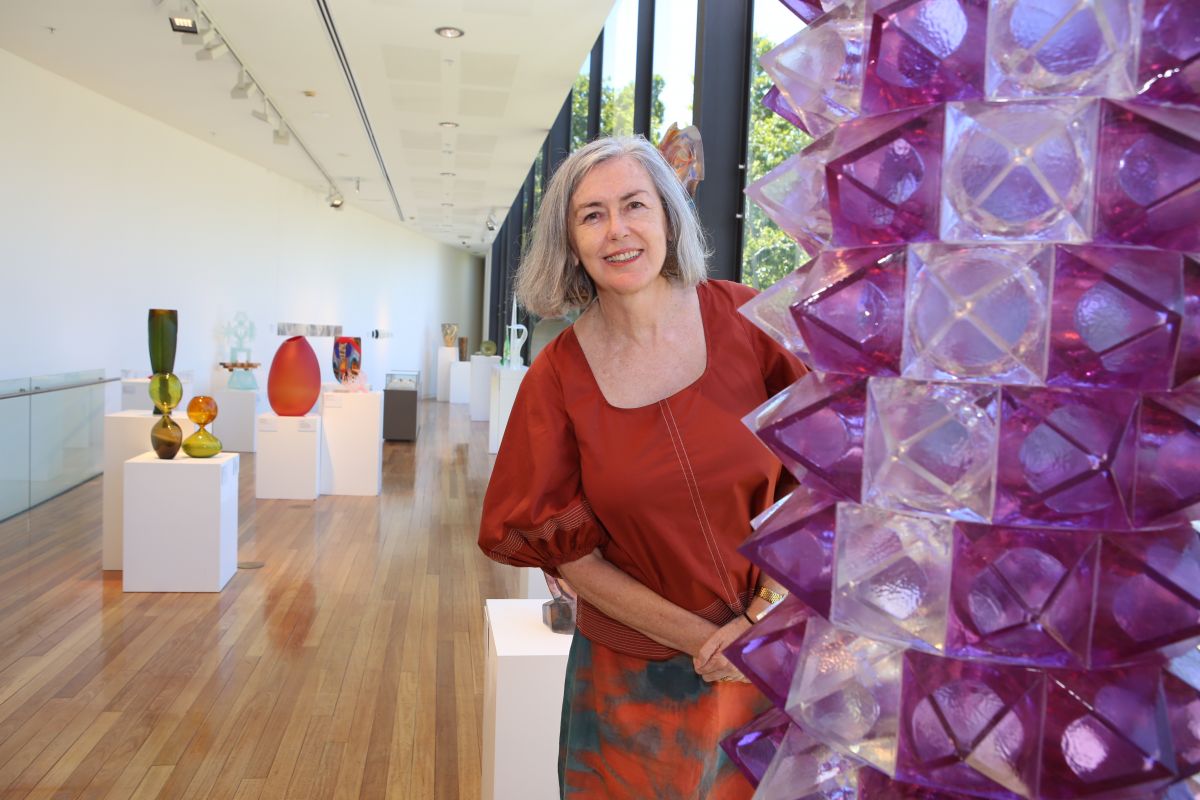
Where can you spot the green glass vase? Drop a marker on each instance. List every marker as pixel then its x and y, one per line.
pixel 163 327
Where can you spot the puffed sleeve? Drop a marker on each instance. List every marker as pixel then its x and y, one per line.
pixel 534 511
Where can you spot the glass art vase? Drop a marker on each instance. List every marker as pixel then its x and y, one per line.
pixel 202 410
pixel 166 436
pixel 995 579
pixel 294 382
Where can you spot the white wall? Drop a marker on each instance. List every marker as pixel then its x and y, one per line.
pixel 105 213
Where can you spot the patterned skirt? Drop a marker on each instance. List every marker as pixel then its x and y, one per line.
pixel 648 729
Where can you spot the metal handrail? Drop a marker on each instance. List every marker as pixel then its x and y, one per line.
pixel 39 390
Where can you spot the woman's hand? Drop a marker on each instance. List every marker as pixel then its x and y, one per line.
pixel 709 662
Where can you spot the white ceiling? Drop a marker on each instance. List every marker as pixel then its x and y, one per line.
pixel 504 82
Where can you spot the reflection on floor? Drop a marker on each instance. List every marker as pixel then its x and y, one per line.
pixel 349 666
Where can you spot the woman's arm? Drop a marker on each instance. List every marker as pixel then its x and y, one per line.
pixel 626 600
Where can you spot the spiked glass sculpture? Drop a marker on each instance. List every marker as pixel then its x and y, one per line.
pixel 995 580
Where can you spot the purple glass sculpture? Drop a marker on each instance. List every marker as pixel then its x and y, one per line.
pixel 793 543
pixel 923 52
pixel 753 746
pixel 999 445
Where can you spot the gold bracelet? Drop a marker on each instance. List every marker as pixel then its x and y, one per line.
pixel 769 595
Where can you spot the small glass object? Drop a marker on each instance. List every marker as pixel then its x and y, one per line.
pixel 202 410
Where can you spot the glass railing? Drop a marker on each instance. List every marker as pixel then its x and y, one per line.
pixel 51 436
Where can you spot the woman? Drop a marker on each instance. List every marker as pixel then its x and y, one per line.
pixel 626 470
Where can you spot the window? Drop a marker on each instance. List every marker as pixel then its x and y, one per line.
pixel 767 252
pixel 579 105
pixel 620 63
pixel 674 86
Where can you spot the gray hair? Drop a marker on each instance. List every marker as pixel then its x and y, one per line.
pixel 551 282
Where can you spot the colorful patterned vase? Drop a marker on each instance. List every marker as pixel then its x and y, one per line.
pixel 347 358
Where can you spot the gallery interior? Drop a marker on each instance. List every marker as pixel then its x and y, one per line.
pixel 262 257
pixel 332 163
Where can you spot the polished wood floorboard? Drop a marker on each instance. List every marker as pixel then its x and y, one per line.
pixel 349 666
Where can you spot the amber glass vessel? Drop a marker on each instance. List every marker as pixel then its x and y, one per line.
pixel 294 382
pixel 202 410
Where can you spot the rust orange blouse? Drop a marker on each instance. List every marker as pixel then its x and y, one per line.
pixel 665 491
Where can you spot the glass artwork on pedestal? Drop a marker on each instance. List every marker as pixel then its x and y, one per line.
pixel 163 328
pixel 202 410
pixel 241 367
pixel 166 436
pixel 347 358
pixel 995 583
pixel 294 382
pixel 449 333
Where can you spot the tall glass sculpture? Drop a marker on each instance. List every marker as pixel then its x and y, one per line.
pixel 995 581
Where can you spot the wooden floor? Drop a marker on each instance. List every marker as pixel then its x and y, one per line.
pixel 349 666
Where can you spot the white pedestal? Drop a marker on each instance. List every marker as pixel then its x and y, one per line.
pixel 524 671
pixel 505 382
pixel 460 382
pixel 181 523
pixel 352 443
pixel 235 425
pixel 445 357
pixel 135 394
pixel 287 464
pixel 481 386
pixel 126 434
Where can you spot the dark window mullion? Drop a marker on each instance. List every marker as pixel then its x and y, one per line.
pixel 644 71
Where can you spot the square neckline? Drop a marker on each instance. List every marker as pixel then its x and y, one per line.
pixel 702 295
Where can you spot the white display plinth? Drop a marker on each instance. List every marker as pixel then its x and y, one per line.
pixel 352 443
pixel 135 395
pixel 505 382
pixel 126 434
pixel 236 422
pixel 445 357
pixel 181 523
pixel 533 584
pixel 460 382
pixel 481 386
pixel 287 463
pixel 525 667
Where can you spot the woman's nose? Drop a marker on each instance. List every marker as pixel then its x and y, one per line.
pixel 617 229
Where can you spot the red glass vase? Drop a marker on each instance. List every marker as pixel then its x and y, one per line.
pixel 294 382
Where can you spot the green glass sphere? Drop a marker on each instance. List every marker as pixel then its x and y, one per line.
pixel 165 391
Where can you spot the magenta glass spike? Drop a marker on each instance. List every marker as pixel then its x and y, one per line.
pixel 1025 596
pixel 767 653
pixel 770 310
pixel 1169 57
pixel 1187 364
pixel 776 102
pixel 1019 171
pixel 1148 176
pixel 806 10
pixel 793 195
pixel 1115 730
pixel 923 52
pixel 888 190
pixel 1061 47
pixel 1167 488
pixel 805 768
pixel 852 319
pixel 815 428
pixel 931 447
pixel 874 785
pixel 793 543
pixel 1116 317
pixel 1067 458
pixel 753 745
pixel 1148 595
pixel 978 313
pixel 892 575
pixel 820 69
pixel 970 727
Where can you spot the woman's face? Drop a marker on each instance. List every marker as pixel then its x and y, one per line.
pixel 618 226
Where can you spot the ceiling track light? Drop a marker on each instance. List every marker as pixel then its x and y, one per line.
pixel 244 87
pixel 334 198
pixel 262 114
pixel 449 32
pixel 213 52
pixel 282 134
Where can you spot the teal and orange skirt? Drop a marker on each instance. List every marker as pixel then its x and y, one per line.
pixel 641 729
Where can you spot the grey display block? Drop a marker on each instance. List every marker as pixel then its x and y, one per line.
pixel 400 394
